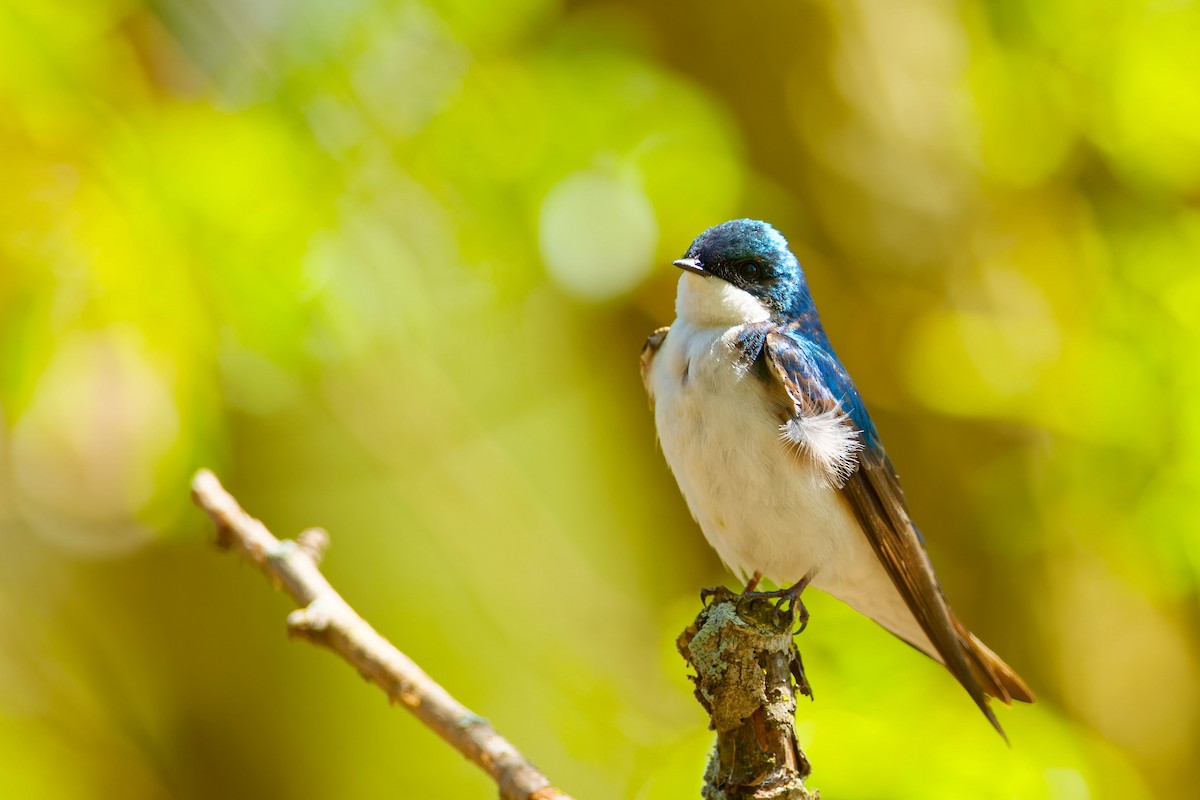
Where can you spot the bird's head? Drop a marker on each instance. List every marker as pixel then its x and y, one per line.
pixel 753 258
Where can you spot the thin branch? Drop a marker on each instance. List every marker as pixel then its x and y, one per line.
pixel 324 618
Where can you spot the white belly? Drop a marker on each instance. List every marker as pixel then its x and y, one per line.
pixel 762 508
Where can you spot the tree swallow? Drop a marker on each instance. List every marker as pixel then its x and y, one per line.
pixel 778 459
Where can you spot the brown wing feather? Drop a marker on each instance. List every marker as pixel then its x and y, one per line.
pixel 649 350
pixel 874 494
pixel 909 566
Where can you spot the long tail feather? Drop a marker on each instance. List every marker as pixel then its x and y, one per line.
pixel 998 679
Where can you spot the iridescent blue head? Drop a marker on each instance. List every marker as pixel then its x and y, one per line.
pixel 755 258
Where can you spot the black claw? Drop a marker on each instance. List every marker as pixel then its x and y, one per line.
pixel 802 617
pixel 802 684
pixel 720 592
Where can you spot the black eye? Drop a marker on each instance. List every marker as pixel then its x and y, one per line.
pixel 748 270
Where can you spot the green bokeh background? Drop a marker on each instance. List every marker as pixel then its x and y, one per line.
pixel 386 266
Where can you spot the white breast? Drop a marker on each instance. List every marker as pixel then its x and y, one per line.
pixel 761 507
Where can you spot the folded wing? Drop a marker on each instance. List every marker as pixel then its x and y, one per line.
pixel 816 385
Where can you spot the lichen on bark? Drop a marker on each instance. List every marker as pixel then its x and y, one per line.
pixel 748 671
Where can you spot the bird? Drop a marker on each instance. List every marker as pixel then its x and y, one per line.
pixel 779 461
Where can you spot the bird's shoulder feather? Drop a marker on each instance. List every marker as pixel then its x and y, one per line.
pixel 649 350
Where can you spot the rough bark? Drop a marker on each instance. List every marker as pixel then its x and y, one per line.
pixel 748 671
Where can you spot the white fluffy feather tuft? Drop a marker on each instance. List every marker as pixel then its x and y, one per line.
pixel 829 440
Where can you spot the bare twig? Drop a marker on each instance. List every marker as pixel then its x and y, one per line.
pixel 326 619
pixel 745 661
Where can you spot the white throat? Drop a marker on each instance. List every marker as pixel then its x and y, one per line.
pixel 709 302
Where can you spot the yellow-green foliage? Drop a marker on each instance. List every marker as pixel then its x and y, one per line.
pixel 386 266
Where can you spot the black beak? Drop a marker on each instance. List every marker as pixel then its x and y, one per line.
pixel 692 265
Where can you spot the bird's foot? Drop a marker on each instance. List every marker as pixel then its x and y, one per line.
pixel 718 594
pixel 789 600
pixel 750 584
pixel 722 593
